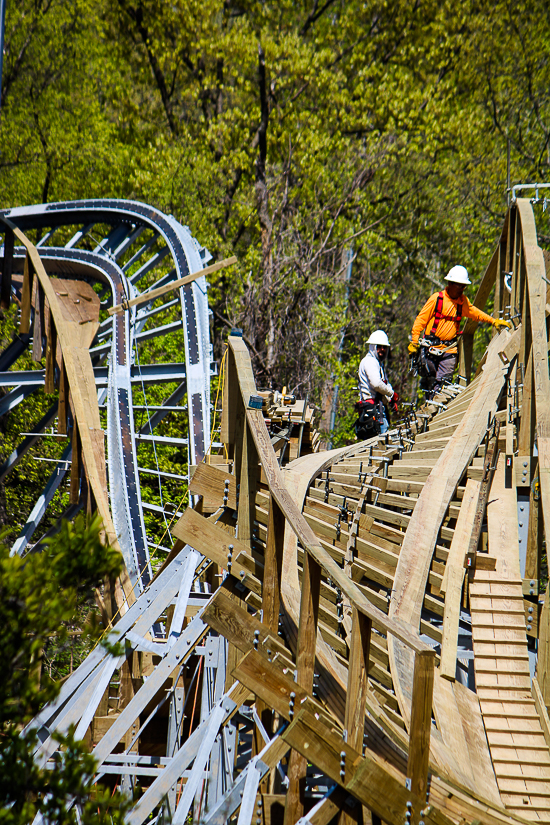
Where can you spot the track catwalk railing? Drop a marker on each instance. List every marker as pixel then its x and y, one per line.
pixel 518 270
pixel 244 431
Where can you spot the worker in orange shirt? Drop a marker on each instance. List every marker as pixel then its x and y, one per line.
pixel 440 319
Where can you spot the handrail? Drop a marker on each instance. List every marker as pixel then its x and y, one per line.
pixel 303 531
pixel 245 432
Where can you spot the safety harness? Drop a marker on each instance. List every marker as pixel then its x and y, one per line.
pixel 438 315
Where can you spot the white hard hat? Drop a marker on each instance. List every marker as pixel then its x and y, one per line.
pixel 379 337
pixel 458 275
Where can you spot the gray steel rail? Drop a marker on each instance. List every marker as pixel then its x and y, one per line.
pixel 128 220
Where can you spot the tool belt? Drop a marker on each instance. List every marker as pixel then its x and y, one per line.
pixel 370 418
pixel 433 345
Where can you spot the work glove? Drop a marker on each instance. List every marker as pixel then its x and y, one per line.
pixel 499 324
pixel 394 401
pixel 412 348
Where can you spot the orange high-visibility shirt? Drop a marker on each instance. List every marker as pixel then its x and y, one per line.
pixel 446 330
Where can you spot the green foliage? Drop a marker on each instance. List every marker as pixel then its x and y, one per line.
pixel 39 596
pixel 289 133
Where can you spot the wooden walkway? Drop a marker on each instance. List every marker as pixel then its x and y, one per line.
pixel 519 750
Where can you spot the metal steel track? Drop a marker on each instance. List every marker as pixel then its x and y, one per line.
pixel 115 227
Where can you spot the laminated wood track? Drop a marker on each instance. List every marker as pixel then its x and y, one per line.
pixel 369 642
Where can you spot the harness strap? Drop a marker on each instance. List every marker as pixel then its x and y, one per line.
pixel 439 316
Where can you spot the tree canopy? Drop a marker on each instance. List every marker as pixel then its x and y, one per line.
pixel 40 597
pixel 295 135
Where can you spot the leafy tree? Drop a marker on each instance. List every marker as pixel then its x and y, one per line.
pixel 289 134
pixel 39 595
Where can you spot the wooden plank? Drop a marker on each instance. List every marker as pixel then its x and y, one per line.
pixel 7 268
pixel 451 585
pixel 356 695
pixel 248 479
pixel 63 405
pixel 74 344
pixel 38 322
pixel 542 710
pixel 229 401
pixel 421 722
pixel 273 566
pixel 467 338
pixel 76 467
pixel 305 660
pixel 217 487
pixel 241 629
pixel 476 742
pixel 275 686
pixel 368 779
pixel 26 295
pixel 153 294
pixel 213 542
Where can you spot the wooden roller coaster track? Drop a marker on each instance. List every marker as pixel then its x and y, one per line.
pixel 362 634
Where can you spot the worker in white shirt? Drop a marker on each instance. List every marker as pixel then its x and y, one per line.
pixel 376 392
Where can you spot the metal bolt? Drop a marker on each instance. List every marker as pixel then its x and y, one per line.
pixel 530 610
pixel 342 764
pixel 291 704
pixel 256 637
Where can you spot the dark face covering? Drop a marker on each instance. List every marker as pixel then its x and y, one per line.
pixel 454 290
pixel 381 352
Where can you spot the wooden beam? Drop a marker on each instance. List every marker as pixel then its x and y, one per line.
pixel 307 639
pixel 421 723
pixel 7 266
pixel 273 565
pixel 63 406
pixel 51 355
pixel 218 488
pixel 536 287
pixel 230 398
pixel 38 303
pixel 356 694
pixel 453 577
pixel 219 546
pixel 369 779
pixel 76 466
pixel 248 481
pixel 466 342
pixel 527 425
pixel 307 630
pixel 153 294
pixel 245 632
pixel 275 686
pixel 26 295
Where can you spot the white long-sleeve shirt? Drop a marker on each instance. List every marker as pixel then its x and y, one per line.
pixel 372 377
